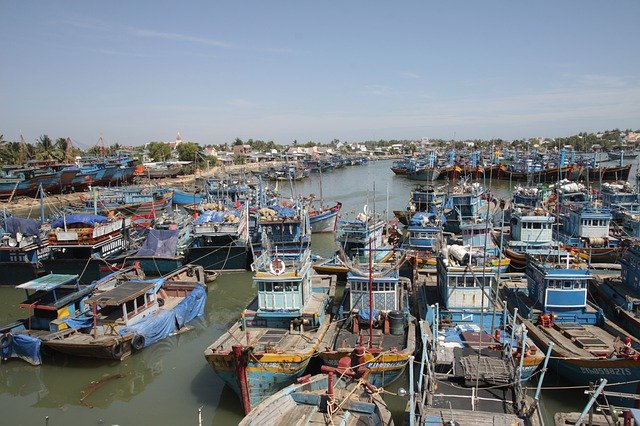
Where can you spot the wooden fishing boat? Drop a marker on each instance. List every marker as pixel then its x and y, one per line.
pixel 373 327
pixel 221 240
pixel 587 233
pixel 279 332
pixel 324 219
pixel 83 243
pixel 338 397
pixel 469 312
pixel 133 315
pixel 619 297
pixel 50 299
pixel 587 345
pixel 286 228
pixel 23 245
pixel 164 248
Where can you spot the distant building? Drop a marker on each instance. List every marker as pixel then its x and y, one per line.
pixel 242 149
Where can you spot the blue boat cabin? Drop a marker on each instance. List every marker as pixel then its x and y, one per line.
pixel 561 289
pixel 587 228
pixel 465 288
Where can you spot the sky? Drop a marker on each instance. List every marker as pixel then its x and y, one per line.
pixel 145 70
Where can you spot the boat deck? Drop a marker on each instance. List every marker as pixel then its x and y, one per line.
pixel 581 340
pixel 346 339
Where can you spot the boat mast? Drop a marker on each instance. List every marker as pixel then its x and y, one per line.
pixel 370 298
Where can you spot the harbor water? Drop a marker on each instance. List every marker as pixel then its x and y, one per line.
pixel 169 382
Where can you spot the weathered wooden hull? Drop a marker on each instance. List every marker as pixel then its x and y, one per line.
pixel 325 220
pixel 609 301
pixel 622 374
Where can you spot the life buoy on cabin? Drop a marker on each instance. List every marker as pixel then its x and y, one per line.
pixel 277 267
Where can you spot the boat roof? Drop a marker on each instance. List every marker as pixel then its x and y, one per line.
pixel 123 293
pixel 48 282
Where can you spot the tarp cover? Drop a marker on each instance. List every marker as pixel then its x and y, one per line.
pixel 364 314
pixel 156 327
pixel 79 322
pixel 160 243
pixel 25 347
pixel 214 216
pixel 24 226
pixel 284 211
pixel 85 218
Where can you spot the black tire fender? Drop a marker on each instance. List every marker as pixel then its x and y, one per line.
pixel 137 342
pixel 117 351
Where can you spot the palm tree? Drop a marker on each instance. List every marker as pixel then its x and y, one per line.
pixel 46 149
pixel 9 152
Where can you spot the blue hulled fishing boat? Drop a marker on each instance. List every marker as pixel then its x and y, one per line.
pixel 164 248
pixel 620 298
pixel 587 232
pixel 83 243
pixel 221 240
pixel 50 299
pixel 281 329
pixel 285 227
pixel 469 314
pixel 132 315
pixel 23 245
pixel 373 327
pixel 587 346
pixel 324 219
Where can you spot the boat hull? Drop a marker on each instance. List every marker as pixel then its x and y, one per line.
pixel 223 258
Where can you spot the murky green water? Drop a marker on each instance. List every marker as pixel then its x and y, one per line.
pixel 168 382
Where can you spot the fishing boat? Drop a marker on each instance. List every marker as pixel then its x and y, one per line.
pixel 587 233
pixel 478 245
pixel 187 198
pixel 286 228
pixel 619 297
pixel 50 299
pixel 469 313
pixel 614 173
pixel 587 346
pixel 160 170
pixel 465 203
pixel 25 181
pixel 530 231
pixel 471 380
pixel 279 332
pixel 355 238
pixel 133 315
pixel 164 248
pixel 619 155
pixel 221 240
pixel 23 244
pixel 422 199
pixel 424 234
pixel 83 243
pixel 337 397
pixel 373 327
pixel 324 219
pixel 129 201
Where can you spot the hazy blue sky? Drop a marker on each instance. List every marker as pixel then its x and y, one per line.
pixel 137 71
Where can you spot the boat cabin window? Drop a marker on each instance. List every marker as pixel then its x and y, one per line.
pixel 566 284
pixel 279 295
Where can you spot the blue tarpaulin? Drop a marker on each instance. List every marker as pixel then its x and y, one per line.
pixel 156 327
pixel 214 216
pixel 79 322
pixel 25 347
pixel 364 314
pixel 25 226
pixel 284 211
pixel 159 243
pixel 85 218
